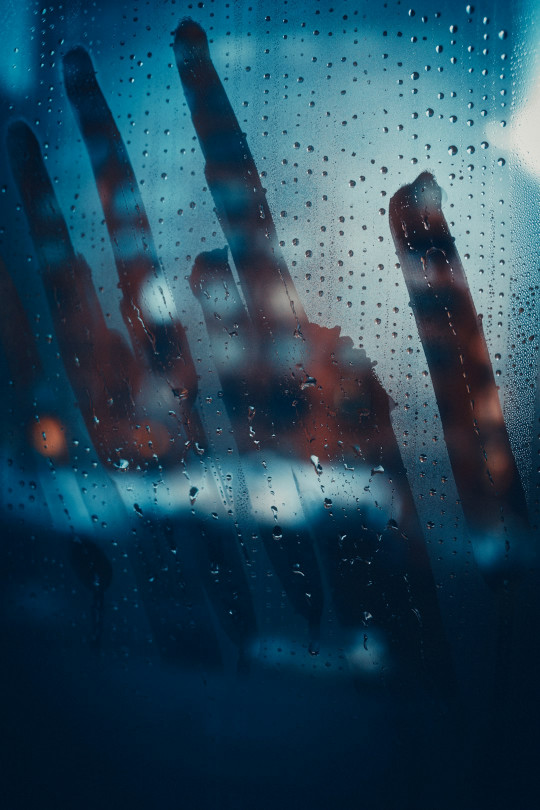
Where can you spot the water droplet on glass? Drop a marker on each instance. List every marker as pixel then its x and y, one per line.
pixel 315 461
pixel 309 382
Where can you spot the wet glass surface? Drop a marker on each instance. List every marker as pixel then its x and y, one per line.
pixel 269 346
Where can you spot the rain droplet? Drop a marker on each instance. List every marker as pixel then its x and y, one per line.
pixel 315 462
pixel 309 382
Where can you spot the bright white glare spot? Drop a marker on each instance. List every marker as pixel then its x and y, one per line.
pixel 158 301
pixel 521 136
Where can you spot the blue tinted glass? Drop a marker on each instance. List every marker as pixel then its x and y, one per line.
pixel 269 346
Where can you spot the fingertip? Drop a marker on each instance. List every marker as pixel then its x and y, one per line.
pixel 423 191
pixel 78 68
pixel 207 264
pixel 22 146
pixel 190 41
pixel 19 135
pixel 16 130
pixel 425 179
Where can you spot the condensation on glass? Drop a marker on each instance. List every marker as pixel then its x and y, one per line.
pixel 269 330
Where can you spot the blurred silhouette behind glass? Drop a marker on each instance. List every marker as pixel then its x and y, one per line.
pixel 238 560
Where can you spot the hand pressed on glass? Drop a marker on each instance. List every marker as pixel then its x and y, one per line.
pixel 291 387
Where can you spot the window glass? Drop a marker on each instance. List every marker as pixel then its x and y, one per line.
pixel 269 346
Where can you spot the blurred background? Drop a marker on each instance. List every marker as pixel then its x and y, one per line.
pixel 342 104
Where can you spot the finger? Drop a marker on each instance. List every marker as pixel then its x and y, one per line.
pixel 232 176
pixel 92 353
pixel 451 332
pixel 147 308
pixel 233 342
pixel 250 404
pixel 262 400
pixel 484 468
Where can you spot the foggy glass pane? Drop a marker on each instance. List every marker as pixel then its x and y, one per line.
pixel 269 350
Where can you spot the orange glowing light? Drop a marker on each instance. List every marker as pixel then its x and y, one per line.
pixel 48 437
